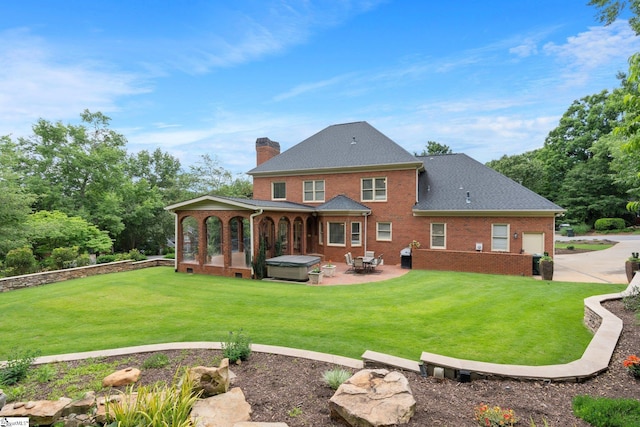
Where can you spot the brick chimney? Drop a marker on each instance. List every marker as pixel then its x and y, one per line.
pixel 266 149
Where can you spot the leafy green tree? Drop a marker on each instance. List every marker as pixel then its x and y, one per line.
pixel 50 230
pixel 434 148
pixel 609 10
pixel 208 177
pixel 15 201
pixel 526 168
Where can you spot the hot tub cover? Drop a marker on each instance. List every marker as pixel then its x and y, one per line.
pixel 294 261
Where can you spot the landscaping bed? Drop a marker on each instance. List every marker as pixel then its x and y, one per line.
pixel 291 390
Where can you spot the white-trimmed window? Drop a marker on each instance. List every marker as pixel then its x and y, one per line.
pixel 336 234
pixel 383 231
pixel 279 190
pixel 321 233
pixel 313 191
pixel 500 237
pixel 356 234
pixel 438 236
pixel 374 189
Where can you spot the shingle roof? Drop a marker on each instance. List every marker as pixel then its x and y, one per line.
pixel 349 145
pixel 447 180
pixel 239 202
pixel 342 203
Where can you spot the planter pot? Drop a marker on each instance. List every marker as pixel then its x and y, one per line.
pixel 630 267
pixel 329 270
pixel 546 270
pixel 315 278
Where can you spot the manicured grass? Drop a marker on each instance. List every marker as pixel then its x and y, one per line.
pixel 588 246
pixel 501 319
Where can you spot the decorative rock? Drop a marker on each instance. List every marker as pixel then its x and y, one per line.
pixel 211 381
pixel 223 410
pixel 42 412
pixel 81 406
pixel 373 398
pixel 122 377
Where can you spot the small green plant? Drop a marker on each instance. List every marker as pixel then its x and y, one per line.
pixel 295 412
pixel 158 405
pixel 237 347
pixel 571 247
pixel 494 416
pixel 45 373
pixel 607 412
pixel 156 360
pixel 103 259
pixel 334 377
pixel 17 367
pixel 635 257
pixel 631 300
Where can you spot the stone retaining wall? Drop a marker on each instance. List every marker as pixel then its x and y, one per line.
pixel 37 279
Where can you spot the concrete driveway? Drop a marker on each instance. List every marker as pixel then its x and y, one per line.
pixel 605 266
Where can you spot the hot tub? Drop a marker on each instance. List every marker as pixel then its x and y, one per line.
pixel 291 267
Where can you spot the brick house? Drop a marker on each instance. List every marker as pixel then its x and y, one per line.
pixel 349 188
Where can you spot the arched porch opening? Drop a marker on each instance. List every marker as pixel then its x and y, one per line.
pixel 239 237
pixel 284 239
pixel 298 235
pixel 190 239
pixel 213 227
pixel 267 235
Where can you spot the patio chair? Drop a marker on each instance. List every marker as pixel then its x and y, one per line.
pixel 358 265
pixel 376 262
pixel 369 254
pixel 349 261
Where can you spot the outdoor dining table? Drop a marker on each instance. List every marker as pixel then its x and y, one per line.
pixel 367 261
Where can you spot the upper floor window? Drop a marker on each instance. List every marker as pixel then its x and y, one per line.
pixel 500 237
pixel 313 191
pixel 356 234
pixel 438 236
pixel 374 189
pixel 383 231
pixel 279 190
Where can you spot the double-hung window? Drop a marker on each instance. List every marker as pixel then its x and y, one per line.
pixel 336 233
pixel 279 190
pixel 383 231
pixel 313 191
pixel 356 234
pixel 500 237
pixel 438 236
pixel 374 189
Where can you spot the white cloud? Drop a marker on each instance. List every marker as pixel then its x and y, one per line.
pixel 34 83
pixel 528 48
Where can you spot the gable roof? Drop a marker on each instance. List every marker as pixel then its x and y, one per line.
pixel 221 202
pixel 448 178
pixel 342 204
pixel 356 145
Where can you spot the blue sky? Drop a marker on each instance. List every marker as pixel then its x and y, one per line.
pixel 209 77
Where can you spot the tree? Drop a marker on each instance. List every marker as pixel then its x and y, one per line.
pixel 434 148
pixel 208 177
pixel 526 168
pixel 609 10
pixel 15 201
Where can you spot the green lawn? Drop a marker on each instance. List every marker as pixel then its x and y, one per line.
pixel 595 246
pixel 501 319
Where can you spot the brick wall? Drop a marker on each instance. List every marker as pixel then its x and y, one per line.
pixel 473 262
pixel 37 279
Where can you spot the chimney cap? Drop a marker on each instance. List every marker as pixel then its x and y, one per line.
pixel 266 142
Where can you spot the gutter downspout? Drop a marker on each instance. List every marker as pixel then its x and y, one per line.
pixel 366 229
pixel 253 215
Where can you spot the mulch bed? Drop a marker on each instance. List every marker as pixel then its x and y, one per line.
pixel 276 385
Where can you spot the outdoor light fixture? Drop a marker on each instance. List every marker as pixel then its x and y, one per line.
pixel 515 235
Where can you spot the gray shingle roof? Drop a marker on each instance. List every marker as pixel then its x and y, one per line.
pixel 349 145
pixel 444 184
pixel 342 203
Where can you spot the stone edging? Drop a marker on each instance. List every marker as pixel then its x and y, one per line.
pixel 594 360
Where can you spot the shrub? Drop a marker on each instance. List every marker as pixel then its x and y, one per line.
pixel 135 255
pixel 154 406
pixel 17 367
pixel 606 412
pixel 237 347
pixel 491 416
pixel 63 257
pixel 21 261
pixel 157 360
pixel 83 260
pixel 631 301
pixel 170 255
pixel 334 377
pixel 103 259
pixel 603 224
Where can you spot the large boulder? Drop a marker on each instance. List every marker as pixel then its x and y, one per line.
pixel 211 381
pixel 122 377
pixel 223 410
pixel 40 412
pixel 373 398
